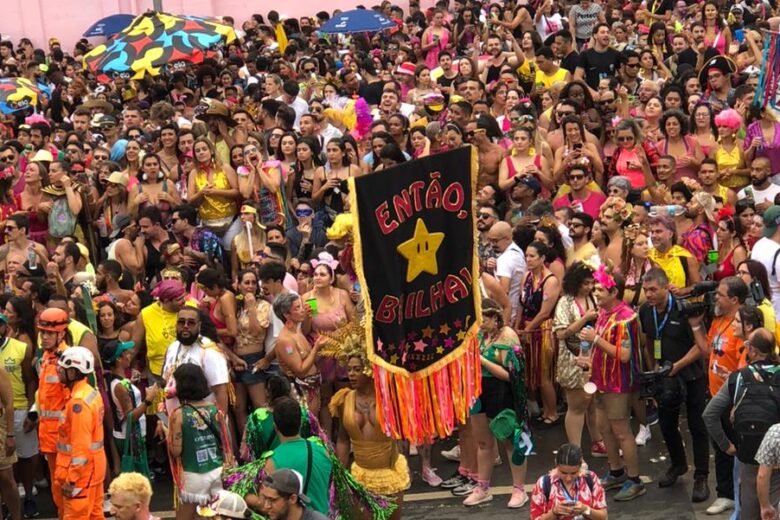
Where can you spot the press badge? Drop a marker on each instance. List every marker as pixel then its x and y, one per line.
pixel 657 349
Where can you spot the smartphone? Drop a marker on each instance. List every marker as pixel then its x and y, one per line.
pixel 577 146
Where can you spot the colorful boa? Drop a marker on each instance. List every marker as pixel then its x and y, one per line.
pixel 345 491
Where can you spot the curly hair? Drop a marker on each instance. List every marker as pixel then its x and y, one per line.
pixel 575 277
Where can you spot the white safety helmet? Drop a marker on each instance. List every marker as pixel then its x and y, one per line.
pixel 79 358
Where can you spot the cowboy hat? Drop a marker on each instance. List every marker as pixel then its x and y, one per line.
pixel 217 109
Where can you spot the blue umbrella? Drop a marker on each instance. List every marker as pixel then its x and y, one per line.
pixel 357 20
pixel 109 25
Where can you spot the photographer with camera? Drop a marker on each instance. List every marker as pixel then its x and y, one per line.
pixel 748 398
pixel 670 341
pixel 724 349
pixel 754 274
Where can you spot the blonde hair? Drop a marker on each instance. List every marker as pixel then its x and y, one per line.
pixel 133 484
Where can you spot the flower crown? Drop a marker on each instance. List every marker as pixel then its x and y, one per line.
pixel 632 231
pixel 604 278
pixel 623 210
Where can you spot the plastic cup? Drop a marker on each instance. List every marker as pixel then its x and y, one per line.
pixel 312 302
pixel 590 388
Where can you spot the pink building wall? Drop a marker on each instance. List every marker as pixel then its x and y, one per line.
pixel 40 20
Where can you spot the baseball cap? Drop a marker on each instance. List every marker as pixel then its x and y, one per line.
pixel 227 504
pixel 532 183
pixel 771 220
pixel 287 481
pixel 106 120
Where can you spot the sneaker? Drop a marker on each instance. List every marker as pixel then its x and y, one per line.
pixel 519 498
pixel 478 496
pixel 454 481
pixel 30 509
pixel 652 414
pixel 720 505
pixel 630 491
pixel 23 494
pixel 453 454
pixel 613 482
pixel 497 461
pixel 41 484
pixel 465 489
pixel 701 491
pixel 431 478
pixel 671 476
pixel 598 450
pixel 644 435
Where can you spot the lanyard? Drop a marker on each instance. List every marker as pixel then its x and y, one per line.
pixel 716 343
pixel 576 497
pixel 659 330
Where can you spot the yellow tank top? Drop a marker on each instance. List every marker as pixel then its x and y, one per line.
pixel 546 80
pixel 12 356
pixel 213 208
pixel 733 159
pixel 160 328
pixel 671 263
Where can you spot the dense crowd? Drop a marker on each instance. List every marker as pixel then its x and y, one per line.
pixel 177 259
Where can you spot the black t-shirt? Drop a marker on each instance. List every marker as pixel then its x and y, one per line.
pixel 688 56
pixel 598 65
pixel 660 7
pixel 571 61
pixel 676 337
pixel 372 92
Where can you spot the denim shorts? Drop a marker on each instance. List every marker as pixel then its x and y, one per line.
pixel 249 378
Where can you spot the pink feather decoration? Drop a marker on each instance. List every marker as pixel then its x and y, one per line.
pixel 36 118
pixel 363 119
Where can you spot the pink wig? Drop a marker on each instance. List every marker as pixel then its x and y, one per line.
pixel 729 118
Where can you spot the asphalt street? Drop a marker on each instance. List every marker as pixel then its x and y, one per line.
pixel 423 502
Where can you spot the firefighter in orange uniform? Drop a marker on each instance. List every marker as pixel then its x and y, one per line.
pixel 81 460
pixel 52 394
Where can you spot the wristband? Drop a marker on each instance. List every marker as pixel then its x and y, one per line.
pixel 697 327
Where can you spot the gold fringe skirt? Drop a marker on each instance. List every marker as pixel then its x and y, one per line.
pixel 384 481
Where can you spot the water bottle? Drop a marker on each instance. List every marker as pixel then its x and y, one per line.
pixel 585 345
pixel 674 210
pixel 32 258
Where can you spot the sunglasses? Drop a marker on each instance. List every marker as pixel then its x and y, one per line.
pixel 310 71
pixel 632 65
pixel 108 126
pixel 6 158
pixel 100 157
pixel 576 177
pixel 484 215
pixel 304 212
pixel 564 114
pixel 625 139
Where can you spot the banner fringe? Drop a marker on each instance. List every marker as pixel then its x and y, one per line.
pixel 420 409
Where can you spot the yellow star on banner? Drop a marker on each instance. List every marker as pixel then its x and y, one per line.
pixel 394 359
pixel 440 350
pixel 420 251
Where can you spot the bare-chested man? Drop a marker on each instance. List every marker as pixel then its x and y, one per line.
pixel 296 356
pixel 16 251
pixel 490 154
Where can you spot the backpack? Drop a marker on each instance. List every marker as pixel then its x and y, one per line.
pixel 547 484
pixel 756 407
pixel 62 222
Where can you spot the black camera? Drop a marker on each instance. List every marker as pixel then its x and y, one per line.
pixel 651 383
pixel 687 308
pixel 756 295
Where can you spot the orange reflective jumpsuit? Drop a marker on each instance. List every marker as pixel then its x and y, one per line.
pixel 81 460
pixel 52 396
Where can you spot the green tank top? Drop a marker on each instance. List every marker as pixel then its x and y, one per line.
pixel 490 353
pixel 201 439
